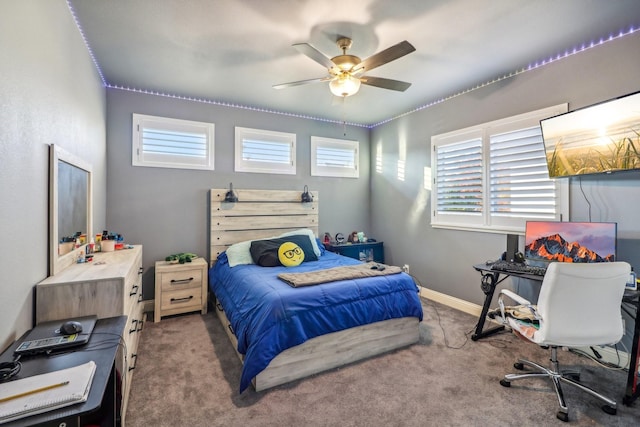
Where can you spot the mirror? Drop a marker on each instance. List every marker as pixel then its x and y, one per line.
pixel 70 204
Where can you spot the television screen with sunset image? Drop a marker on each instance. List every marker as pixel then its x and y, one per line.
pixel 549 241
pixel 602 138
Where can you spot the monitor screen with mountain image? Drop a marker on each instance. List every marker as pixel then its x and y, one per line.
pixel 547 241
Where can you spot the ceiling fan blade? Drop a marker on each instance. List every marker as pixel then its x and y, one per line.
pixel 315 54
pixel 301 82
pixel 392 53
pixel 385 83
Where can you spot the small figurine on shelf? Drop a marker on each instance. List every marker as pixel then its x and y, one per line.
pixel 353 237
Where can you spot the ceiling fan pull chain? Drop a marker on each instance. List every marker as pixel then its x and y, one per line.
pixel 344 120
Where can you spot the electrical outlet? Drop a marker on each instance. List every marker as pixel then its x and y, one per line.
pixel 405 268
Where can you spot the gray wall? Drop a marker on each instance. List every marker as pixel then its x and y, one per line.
pixel 50 92
pixel 165 209
pixel 442 259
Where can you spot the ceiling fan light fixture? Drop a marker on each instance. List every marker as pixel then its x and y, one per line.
pixel 344 85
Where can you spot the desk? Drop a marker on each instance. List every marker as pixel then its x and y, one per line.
pixel 491 278
pixel 102 404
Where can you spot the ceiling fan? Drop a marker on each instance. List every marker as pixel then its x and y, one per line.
pixel 346 72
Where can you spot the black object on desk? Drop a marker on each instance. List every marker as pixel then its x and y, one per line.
pixel 491 278
pixel 101 405
pixel 367 251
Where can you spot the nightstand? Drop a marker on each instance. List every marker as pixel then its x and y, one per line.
pixel 180 288
pixel 369 251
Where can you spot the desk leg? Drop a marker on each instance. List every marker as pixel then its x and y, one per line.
pixel 488 285
pixel 632 392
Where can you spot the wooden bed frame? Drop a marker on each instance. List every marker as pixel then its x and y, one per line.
pixel 266 213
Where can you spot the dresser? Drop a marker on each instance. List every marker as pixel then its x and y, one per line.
pixel 180 288
pixel 110 285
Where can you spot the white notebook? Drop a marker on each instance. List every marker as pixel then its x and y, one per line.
pixel 45 392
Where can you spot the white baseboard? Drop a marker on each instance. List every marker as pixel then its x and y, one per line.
pixel 608 354
pixel 453 302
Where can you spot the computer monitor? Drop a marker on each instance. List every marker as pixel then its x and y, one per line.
pixel 547 241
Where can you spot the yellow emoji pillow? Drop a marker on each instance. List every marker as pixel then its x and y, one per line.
pixel 290 254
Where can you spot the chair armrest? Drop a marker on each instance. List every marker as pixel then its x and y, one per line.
pixel 517 298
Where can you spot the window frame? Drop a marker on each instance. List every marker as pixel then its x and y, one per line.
pixel 485 220
pixel 337 171
pixel 267 136
pixel 141 158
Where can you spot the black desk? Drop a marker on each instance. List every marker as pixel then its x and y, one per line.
pixel 491 279
pixel 102 403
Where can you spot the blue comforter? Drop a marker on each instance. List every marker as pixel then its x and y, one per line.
pixel 268 316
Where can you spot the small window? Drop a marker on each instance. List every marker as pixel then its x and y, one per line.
pixel 263 151
pixel 334 157
pixel 172 143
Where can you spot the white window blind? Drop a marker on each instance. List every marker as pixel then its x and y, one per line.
pixel 172 143
pixel 520 184
pixel 493 177
pixel 459 180
pixel 263 151
pixel 334 157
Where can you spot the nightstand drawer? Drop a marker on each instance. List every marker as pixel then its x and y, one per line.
pixel 181 299
pixel 174 280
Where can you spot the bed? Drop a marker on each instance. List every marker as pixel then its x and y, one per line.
pixel 281 332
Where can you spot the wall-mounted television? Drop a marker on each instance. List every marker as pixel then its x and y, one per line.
pixel 549 241
pixel 602 138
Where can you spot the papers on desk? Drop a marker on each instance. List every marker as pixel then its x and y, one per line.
pixel 46 392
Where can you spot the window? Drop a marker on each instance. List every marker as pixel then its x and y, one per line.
pixel 172 143
pixel 263 151
pixel 334 157
pixel 493 177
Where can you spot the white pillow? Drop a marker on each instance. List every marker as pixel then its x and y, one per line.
pixel 309 233
pixel 240 253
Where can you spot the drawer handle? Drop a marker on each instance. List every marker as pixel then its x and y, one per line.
pixel 134 325
pixel 179 300
pixel 134 357
pixel 219 306
pixel 134 290
pixel 231 329
pixel 140 270
pixel 140 325
pixel 181 281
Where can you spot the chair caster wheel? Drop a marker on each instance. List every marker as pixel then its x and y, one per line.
pixel 562 416
pixel 519 366
pixel 609 410
pixel 505 383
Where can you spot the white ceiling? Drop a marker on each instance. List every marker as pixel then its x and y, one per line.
pixel 234 51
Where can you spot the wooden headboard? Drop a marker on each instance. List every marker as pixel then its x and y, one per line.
pixel 257 214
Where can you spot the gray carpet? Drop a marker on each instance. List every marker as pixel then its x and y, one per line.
pixel 187 374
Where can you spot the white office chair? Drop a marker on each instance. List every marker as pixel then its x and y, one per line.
pixel 578 306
